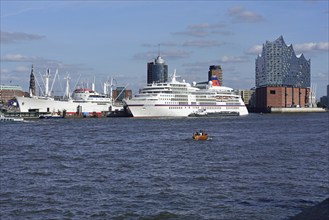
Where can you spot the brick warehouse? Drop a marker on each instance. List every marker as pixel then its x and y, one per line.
pixel 282 78
pixel 8 92
pixel 275 96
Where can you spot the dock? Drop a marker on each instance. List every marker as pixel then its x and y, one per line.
pixel 296 110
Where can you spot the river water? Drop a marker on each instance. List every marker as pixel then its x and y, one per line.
pixel 262 166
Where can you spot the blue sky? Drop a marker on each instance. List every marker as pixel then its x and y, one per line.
pixel 117 38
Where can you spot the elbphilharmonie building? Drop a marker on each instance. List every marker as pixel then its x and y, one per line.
pixel 278 65
pixel 282 78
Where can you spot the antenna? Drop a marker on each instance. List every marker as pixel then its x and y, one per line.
pixel 159 45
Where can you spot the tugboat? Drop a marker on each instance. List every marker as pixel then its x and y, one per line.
pixel 200 136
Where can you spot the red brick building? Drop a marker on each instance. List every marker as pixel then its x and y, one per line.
pixel 121 93
pixel 276 96
pixel 8 92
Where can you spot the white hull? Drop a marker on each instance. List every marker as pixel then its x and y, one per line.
pixel 71 107
pixel 182 111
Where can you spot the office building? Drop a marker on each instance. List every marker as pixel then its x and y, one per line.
pixel 157 71
pixel 216 70
pixel 246 96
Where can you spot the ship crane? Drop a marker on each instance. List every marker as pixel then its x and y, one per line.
pixel 52 85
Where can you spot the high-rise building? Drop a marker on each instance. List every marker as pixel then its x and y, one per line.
pixel 246 96
pixel 282 78
pixel 216 70
pixel 157 71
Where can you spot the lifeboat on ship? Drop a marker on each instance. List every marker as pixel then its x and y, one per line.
pixel 200 136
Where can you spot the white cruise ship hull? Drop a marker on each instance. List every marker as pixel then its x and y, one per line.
pixel 159 110
pixel 27 104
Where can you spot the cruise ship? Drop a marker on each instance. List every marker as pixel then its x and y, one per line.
pixel 85 101
pixel 181 99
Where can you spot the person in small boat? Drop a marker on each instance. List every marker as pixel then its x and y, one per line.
pixel 199 133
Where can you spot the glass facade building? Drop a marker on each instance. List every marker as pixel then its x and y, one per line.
pixel 278 65
pixel 157 71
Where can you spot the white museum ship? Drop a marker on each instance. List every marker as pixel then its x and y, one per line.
pixel 83 100
pixel 181 99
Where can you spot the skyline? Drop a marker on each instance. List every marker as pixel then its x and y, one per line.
pixel 114 38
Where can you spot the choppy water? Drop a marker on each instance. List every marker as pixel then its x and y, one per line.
pixel 268 166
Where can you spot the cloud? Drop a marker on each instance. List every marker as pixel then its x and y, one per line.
pixel 190 43
pixel 198 64
pixel 255 50
pixel 233 59
pixel 239 14
pixel 43 62
pixel 19 58
pixel 22 69
pixel 194 33
pixel 204 29
pixel 311 47
pixel 176 54
pixel 167 44
pixel 12 37
pixel 202 43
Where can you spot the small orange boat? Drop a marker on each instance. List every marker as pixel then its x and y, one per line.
pixel 200 136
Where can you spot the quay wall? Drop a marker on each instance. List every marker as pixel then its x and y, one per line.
pixel 296 110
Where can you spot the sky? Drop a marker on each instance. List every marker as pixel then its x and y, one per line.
pixel 95 40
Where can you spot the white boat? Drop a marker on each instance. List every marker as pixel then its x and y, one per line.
pixel 4 118
pixel 52 115
pixel 89 103
pixel 181 99
pixel 83 100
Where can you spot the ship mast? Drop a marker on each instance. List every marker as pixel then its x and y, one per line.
pixel 93 85
pixel 52 85
pixel 47 83
pixel 67 88
pixel 106 90
pixel 111 88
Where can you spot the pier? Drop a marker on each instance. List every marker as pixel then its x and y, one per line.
pixel 296 110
